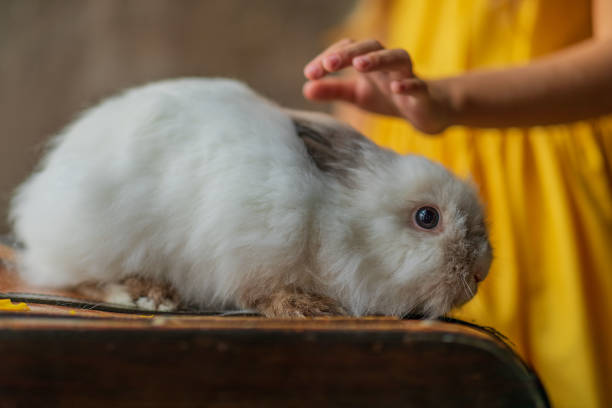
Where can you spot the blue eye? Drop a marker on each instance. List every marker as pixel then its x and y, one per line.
pixel 427 217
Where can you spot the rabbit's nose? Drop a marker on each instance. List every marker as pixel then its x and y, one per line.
pixel 482 264
pixel 480 272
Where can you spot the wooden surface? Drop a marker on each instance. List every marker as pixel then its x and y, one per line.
pixel 76 355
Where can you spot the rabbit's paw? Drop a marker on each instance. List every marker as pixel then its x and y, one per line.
pixel 151 295
pixel 134 291
pixel 295 303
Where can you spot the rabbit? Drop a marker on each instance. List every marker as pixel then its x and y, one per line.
pixel 236 202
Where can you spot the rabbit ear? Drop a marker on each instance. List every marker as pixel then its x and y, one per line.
pixel 318 142
pixel 334 148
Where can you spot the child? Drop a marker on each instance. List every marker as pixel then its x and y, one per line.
pixel 527 82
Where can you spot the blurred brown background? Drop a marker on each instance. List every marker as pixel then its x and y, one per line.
pixel 60 56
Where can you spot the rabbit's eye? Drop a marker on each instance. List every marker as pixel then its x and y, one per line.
pixel 427 217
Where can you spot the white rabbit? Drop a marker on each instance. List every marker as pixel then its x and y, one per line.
pixel 236 202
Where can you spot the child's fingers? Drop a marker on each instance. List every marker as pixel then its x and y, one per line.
pixel 314 69
pixel 330 89
pixel 384 60
pixel 408 86
pixel 342 57
pixel 338 56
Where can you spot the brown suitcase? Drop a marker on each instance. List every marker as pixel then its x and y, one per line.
pixel 57 349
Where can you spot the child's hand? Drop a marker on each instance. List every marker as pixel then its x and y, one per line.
pixel 384 84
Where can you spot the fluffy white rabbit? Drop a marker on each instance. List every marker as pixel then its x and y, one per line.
pixel 235 202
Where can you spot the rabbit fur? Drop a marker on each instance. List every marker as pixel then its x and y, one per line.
pixel 237 202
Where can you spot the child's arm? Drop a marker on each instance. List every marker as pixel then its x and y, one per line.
pixel 572 84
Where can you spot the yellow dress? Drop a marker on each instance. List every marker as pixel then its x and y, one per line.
pixel 547 189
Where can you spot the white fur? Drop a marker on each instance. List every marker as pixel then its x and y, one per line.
pixel 203 183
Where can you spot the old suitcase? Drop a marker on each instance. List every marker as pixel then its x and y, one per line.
pixel 57 349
